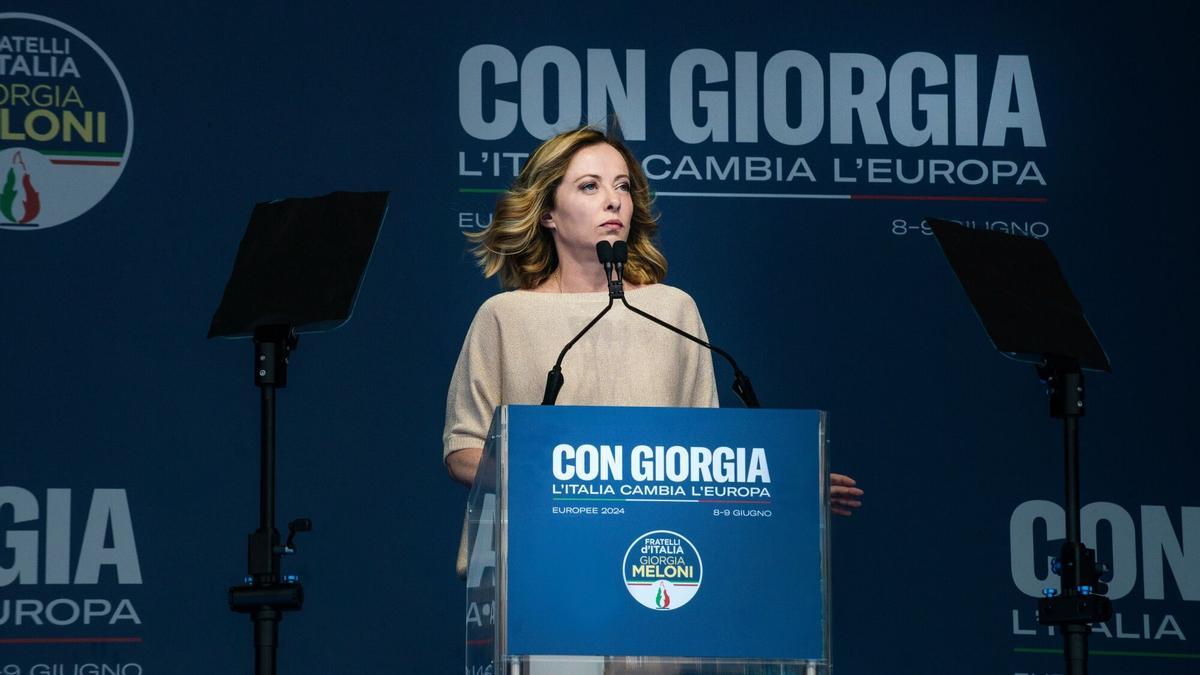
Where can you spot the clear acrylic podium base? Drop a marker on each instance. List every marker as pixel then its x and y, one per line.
pixel 634 665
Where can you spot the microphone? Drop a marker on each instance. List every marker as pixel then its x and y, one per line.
pixel 741 383
pixel 620 257
pixel 554 379
pixel 619 253
pixel 604 252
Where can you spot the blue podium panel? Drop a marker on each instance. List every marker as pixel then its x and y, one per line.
pixel 664 533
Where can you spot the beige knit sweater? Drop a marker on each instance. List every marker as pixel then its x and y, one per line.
pixel 624 360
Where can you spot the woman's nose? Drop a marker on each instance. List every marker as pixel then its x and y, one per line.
pixel 614 200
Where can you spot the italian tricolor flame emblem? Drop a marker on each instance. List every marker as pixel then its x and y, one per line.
pixel 663 599
pixel 19 199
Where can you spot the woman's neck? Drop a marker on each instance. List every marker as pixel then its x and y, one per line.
pixel 572 277
pixel 578 276
pixel 578 281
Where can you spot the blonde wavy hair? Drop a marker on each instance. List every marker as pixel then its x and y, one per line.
pixel 516 245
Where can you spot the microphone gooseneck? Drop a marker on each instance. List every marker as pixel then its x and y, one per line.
pixel 613 257
pixel 741 383
pixel 554 378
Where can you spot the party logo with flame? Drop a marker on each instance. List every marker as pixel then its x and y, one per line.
pixel 66 122
pixel 662 570
pixel 31 202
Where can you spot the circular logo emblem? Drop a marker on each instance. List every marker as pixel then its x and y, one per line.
pixel 66 122
pixel 662 570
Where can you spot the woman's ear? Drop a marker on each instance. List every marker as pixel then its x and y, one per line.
pixel 547 221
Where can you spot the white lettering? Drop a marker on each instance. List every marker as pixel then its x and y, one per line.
pixel 109 515
pixel 775 98
pixel 714 103
pixel 845 104
pixel 470 92
pixel 900 100
pixel 604 86
pixel 1182 553
pixel 533 91
pixel 1013 75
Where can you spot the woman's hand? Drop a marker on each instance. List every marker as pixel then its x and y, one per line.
pixel 843 495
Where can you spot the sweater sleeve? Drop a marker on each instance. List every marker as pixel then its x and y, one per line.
pixel 475 387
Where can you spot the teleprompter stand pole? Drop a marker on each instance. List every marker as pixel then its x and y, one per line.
pixel 268 593
pixel 299 267
pixel 1030 313
pixel 1080 600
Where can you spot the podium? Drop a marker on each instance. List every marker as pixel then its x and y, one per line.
pixel 649 540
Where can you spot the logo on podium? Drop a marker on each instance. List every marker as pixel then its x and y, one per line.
pixel 662 570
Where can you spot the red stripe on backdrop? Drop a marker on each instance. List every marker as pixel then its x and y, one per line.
pixel 84 162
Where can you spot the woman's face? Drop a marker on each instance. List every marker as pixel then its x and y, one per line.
pixel 591 203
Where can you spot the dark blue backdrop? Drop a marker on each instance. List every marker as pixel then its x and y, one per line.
pixel 106 380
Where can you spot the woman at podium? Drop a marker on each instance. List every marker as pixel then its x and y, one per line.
pixel 576 189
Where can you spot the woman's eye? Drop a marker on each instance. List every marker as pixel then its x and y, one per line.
pixel 624 186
